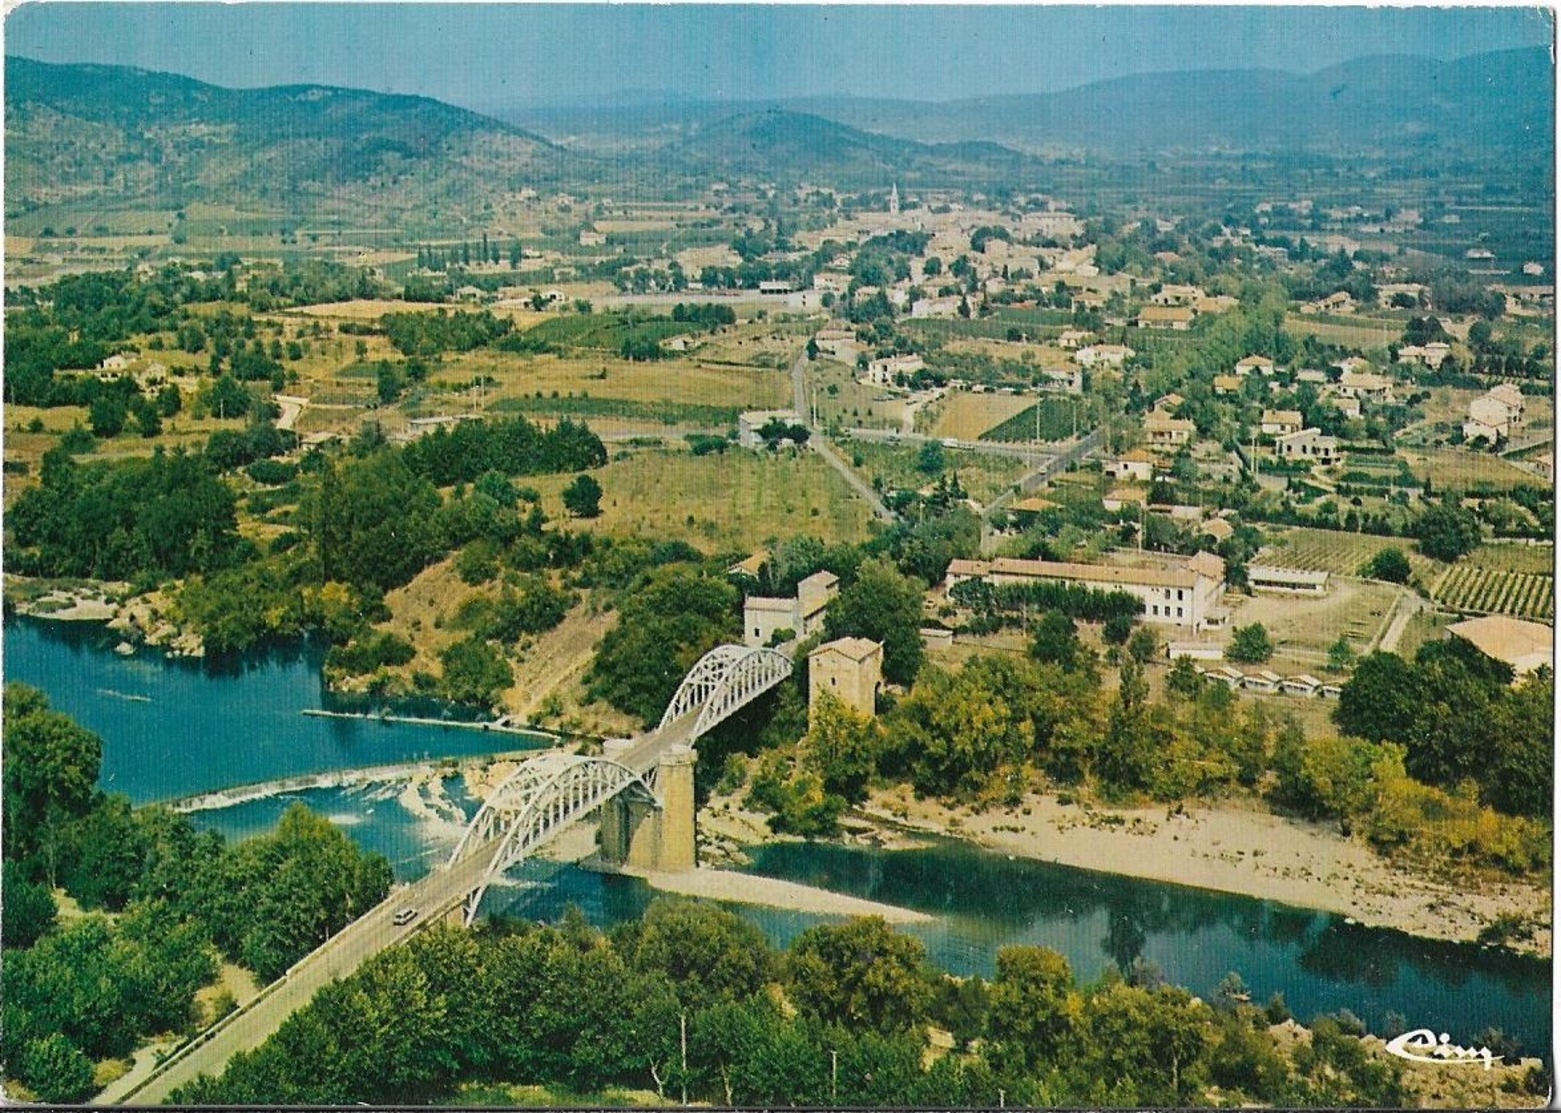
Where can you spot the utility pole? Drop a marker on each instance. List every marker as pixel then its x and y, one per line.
pixel 683 1045
pixel 834 1069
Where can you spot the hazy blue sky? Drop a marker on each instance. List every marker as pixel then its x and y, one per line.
pixel 483 55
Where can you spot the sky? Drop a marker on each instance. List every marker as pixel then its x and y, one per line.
pixel 487 56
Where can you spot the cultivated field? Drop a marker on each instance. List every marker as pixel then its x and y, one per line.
pixel 845 403
pixel 1059 418
pixel 1459 468
pixel 1339 553
pixel 966 416
pixel 738 500
pixel 1361 333
pixel 1470 589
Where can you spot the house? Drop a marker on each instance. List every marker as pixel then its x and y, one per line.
pixel 1136 465
pixel 935 307
pixel 1066 378
pixel 1112 355
pixel 1197 651
pixel 1494 413
pixel 1176 295
pixel 851 669
pixel 1175 591
pixel 1277 423
pixel 1340 302
pixel 1350 364
pixel 1261 681
pixel 1175 317
pixel 1534 270
pixel 1074 338
pixel 1121 497
pixel 1227 384
pixel 1303 684
pixel 1216 303
pixel 1261 364
pixel 1167 403
pixel 115 363
pixel 1296 581
pixel 803 615
pixel 1401 295
pixel 1312 375
pixel 1525 646
pixel 837 343
pixel 1308 444
pixel 589 237
pixel 1366 386
pixel 884 372
pixel 831 282
pixel 775 286
pixel 1217 530
pixel 749 424
pixel 1344 403
pixel 1164 431
pixel 1427 355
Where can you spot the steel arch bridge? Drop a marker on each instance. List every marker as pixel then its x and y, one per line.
pixel 722 682
pixel 541 797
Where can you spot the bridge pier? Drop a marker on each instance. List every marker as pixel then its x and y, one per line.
pixel 645 836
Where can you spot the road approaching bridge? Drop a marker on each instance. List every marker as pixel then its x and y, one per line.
pixel 546 794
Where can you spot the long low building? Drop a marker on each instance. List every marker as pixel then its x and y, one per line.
pixel 1176 591
pixel 1302 581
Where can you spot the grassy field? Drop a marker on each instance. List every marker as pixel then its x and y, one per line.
pixel 1339 553
pixel 1058 417
pixel 1459 467
pixel 844 402
pixel 967 416
pixel 1362 333
pixel 739 500
pixel 690 381
pixel 1302 629
pixel 983 477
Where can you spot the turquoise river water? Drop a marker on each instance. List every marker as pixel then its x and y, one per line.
pixel 175 728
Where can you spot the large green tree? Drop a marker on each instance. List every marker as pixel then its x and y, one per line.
pixel 860 973
pixel 884 606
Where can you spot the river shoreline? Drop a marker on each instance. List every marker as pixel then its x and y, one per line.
pixel 1230 850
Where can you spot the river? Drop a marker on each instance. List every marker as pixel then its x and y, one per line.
pixel 199 728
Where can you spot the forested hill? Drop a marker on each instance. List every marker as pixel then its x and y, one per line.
pixel 793 146
pixel 86 131
pixel 1393 105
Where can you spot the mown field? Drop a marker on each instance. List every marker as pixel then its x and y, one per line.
pixel 1459 467
pixel 1057 418
pixel 737 500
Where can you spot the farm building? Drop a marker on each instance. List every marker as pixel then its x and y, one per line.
pixel 1523 645
pixel 849 668
pixel 803 615
pixel 1177 591
pixel 1300 581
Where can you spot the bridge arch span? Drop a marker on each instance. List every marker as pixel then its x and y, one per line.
pixel 722 682
pixel 544 794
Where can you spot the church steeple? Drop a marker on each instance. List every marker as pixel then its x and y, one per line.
pixel 894 199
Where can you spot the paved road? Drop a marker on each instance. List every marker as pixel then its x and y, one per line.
pixel 817 442
pixel 372 932
pixel 439 892
pixel 984 448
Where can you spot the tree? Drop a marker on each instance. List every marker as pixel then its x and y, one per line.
pixel 1142 645
pixel 705 953
pixel 842 747
pixel 861 973
pixel 930 458
pixel 51 769
pixel 1250 644
pixel 29 909
pixel 1381 699
pixel 107 414
pixel 1447 531
pixel 1388 564
pixel 56 1070
pixel 1055 640
pixel 1341 654
pixel 884 606
pixel 1117 629
pixel 475 672
pixel 1033 1007
pixel 583 497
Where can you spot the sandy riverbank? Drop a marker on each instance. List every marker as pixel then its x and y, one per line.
pixel 1305 864
pixel 743 888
